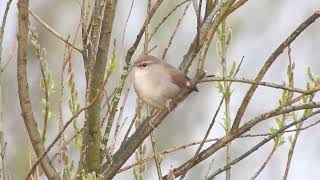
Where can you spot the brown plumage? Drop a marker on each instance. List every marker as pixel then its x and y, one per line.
pixel 157 82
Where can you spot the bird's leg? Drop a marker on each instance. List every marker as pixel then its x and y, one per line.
pixel 150 114
pixel 151 125
pixel 154 112
pixel 168 104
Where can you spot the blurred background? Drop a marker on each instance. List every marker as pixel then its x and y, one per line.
pixel 258 28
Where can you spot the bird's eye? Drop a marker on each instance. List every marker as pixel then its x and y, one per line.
pixel 144 65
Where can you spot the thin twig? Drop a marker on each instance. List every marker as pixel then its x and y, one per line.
pixel 195 7
pixel 10 58
pixel 54 32
pixel 286 131
pixel 207 32
pixel 210 5
pixel 40 53
pixel 153 48
pixel 3 25
pixel 198 12
pixel 256 147
pixel 116 132
pixel 268 64
pixel 107 103
pixel 245 128
pixel 215 115
pixel 178 148
pixel 68 57
pixel 142 132
pixel 23 91
pixel 126 24
pixel 212 78
pixel 125 72
pixel 217 111
pixel 175 31
pixel 60 107
pixel 156 155
pixel 135 116
pixel 224 37
pixel 168 151
pixel 206 153
pixel 165 18
pixel 293 143
pixel 297 133
pixel 3 144
pixel 98 95
pixel 274 148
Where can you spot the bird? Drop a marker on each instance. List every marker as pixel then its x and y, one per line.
pixel 157 83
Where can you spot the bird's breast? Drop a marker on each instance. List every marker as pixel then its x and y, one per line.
pixel 156 87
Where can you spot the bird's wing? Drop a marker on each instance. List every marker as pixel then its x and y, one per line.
pixel 180 78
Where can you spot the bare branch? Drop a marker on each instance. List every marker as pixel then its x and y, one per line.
pixel 98 64
pixel 273 150
pixel 23 91
pixel 248 81
pixel 134 141
pixel 156 155
pixel 165 18
pixel 3 25
pixel 73 117
pixel 170 150
pixel 175 31
pixel 231 136
pixel 126 24
pixel 54 32
pixel 182 147
pixel 267 65
pixel 2 138
pixel 207 32
pixel 256 147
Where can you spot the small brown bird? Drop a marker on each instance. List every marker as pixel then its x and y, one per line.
pixel 158 83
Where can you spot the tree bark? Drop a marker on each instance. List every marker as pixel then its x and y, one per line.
pixel 23 90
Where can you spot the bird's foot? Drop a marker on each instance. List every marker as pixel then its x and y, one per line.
pixel 151 125
pixel 168 104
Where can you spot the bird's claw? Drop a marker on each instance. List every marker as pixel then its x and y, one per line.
pixel 168 104
pixel 151 125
